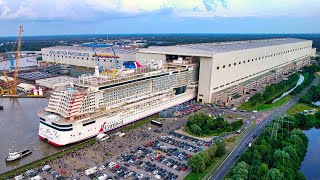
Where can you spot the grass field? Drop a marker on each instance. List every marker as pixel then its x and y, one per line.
pixel 197 176
pixel 282 101
pixel 263 107
pixel 299 107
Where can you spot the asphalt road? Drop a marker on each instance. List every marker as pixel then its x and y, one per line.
pixel 243 144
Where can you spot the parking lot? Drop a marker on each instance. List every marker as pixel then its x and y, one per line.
pixel 148 152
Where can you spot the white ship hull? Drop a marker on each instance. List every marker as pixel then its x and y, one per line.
pixel 106 124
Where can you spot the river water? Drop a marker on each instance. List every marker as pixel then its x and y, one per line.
pixel 301 79
pixel 310 166
pixel 19 130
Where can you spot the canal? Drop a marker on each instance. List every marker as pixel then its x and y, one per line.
pixel 311 163
pixel 300 81
pixel 19 130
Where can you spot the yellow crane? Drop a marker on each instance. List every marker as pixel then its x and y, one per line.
pixel 13 85
pixel 2 91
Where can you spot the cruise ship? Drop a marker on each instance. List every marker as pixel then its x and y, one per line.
pixel 115 98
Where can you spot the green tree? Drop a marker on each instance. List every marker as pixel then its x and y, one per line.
pixel 205 156
pixel 197 163
pixel 274 174
pixel 221 148
pixel 212 150
pixel 263 170
pixel 240 172
pixel 195 129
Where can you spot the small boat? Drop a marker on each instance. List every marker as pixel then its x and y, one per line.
pixel 17 155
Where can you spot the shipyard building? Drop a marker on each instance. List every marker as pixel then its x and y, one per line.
pixel 234 68
pixel 86 57
pixel 226 69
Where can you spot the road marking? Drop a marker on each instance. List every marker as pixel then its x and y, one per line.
pixel 232 150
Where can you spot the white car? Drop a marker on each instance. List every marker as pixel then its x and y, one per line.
pixel 19 177
pixel 46 168
pixel 254 111
pixel 102 167
pixel 140 176
pixel 157 176
pixel 111 165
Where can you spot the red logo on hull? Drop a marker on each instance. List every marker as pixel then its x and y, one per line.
pixel 101 129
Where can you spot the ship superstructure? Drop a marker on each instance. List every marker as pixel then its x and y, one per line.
pixel 101 103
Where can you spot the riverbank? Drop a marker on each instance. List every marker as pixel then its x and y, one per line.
pixel 73 148
pixel 271 93
pixel 40 162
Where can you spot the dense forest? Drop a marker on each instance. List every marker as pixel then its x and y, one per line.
pixel 202 124
pixel 277 153
pixel 35 43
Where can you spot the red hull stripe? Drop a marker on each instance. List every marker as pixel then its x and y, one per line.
pixel 53 143
pixel 42 137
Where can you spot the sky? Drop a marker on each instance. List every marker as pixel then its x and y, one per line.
pixel 58 17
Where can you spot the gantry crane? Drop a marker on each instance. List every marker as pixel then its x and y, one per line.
pixel 10 59
pixel 13 85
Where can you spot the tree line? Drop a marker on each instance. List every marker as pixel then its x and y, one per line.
pixel 199 162
pixel 274 155
pixel 203 124
pixel 272 91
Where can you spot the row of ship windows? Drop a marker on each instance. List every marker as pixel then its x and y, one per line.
pixel 254 74
pixel 259 58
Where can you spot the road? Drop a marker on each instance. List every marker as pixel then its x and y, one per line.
pixel 232 158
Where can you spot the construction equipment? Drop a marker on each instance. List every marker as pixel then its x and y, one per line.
pixel 116 65
pixel 93 47
pixel 10 59
pixel 2 91
pixel 13 85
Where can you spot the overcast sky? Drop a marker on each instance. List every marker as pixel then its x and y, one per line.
pixel 50 17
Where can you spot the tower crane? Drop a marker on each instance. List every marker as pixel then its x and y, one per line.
pixel 16 68
pixel 13 85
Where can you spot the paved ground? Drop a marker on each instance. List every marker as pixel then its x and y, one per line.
pixel 73 165
pixel 252 135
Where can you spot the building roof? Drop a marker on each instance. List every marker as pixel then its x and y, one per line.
pixel 104 50
pixel 26 86
pixel 208 49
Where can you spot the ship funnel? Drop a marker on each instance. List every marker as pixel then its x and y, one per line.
pixel 96 71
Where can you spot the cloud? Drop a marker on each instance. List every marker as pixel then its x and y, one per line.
pixel 91 10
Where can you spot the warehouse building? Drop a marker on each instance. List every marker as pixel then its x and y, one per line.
pixel 84 56
pixel 234 68
pixel 55 82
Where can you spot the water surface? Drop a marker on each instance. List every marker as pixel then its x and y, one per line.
pixel 19 125
pixel 301 79
pixel 310 166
